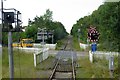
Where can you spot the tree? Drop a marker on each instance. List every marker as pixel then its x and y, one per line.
pixel 45 21
pixel 40 22
pixel 48 15
pixel 106 20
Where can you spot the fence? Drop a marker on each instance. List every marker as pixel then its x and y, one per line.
pixel 101 54
pixel 50 46
pixel 40 55
pixel 26 49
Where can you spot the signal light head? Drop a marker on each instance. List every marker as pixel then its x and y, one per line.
pixel 8 17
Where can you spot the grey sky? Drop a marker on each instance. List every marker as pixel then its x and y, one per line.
pixel 65 11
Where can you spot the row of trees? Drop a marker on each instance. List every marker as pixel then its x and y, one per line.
pixel 106 20
pixel 44 21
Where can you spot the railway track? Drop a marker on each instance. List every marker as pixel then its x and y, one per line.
pixel 64 66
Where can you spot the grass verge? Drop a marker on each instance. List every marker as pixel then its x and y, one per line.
pixel 60 43
pixel 23 65
pixel 0 65
pixel 98 69
pixel 76 44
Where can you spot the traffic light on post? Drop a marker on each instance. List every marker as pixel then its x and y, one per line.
pixel 8 17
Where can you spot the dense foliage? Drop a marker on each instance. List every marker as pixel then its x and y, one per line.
pixel 44 21
pixel 105 19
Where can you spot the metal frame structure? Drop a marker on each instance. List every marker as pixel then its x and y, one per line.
pixel 17 27
pixel 43 34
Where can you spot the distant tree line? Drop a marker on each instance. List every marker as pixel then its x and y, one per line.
pixel 107 21
pixel 44 21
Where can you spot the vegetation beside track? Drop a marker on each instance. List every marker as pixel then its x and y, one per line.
pixel 61 43
pixel 98 69
pixel 76 45
pixel 24 67
pixel 0 66
pixel 106 21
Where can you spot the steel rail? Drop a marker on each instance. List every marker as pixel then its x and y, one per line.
pixel 54 70
pixel 73 73
pixel 66 47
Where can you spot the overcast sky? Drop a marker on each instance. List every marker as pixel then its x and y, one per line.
pixel 65 11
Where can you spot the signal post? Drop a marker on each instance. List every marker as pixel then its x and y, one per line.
pixel 10 16
pixel 93 36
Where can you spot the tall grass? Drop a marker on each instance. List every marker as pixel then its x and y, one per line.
pixel 23 65
pixel 76 44
pixel 0 66
pixel 98 69
pixel 61 43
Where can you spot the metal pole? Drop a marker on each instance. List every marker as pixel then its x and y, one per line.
pixel 2 12
pixel 111 65
pixel 1 39
pixel 88 44
pixel 43 40
pixel 52 38
pixel 10 52
pixel 43 36
pixel 79 35
pixel 16 24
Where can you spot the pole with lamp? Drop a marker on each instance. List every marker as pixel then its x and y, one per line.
pixel 8 18
pixel 2 11
pixel 1 21
pixel 10 51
